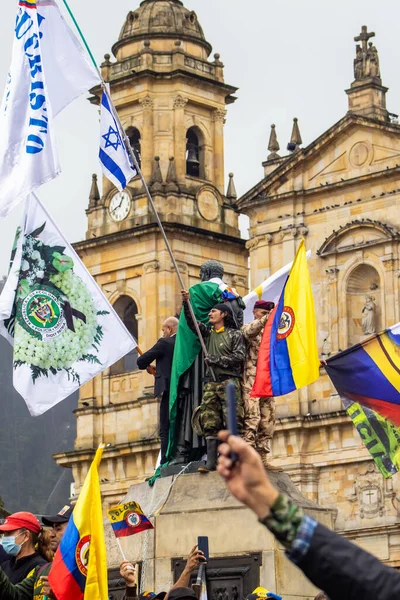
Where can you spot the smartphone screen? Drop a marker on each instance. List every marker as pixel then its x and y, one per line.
pixel 202 544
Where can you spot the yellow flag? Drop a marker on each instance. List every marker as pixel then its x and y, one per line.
pixel 79 568
pixel 302 343
pixel 90 517
pixel 288 354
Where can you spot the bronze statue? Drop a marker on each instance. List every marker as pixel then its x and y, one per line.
pixel 191 447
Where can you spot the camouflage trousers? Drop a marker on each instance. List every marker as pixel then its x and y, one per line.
pixel 259 423
pixel 212 410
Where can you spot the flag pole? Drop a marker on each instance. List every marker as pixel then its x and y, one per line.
pixel 120 549
pixel 146 189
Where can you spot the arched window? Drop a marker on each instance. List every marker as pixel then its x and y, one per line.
pixel 127 310
pixel 194 153
pixel 134 140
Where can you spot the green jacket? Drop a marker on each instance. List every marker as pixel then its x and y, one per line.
pixel 29 589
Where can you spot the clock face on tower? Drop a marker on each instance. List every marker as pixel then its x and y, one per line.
pixel 120 206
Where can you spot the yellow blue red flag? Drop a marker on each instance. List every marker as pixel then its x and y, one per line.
pixel 367 378
pixel 288 355
pixel 79 569
pixel 128 519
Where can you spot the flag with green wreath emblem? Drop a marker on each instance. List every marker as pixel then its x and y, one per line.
pixel 63 329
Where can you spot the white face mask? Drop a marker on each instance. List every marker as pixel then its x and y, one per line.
pixel 10 546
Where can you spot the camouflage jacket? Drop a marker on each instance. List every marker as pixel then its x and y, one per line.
pixel 29 589
pixel 252 333
pixel 226 348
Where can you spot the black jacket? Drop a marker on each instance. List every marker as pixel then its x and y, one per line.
pixel 17 570
pixel 346 572
pixel 162 352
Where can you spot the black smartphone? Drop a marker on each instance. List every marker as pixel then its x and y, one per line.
pixel 202 544
pixel 231 417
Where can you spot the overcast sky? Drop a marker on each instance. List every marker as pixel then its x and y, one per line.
pixel 291 58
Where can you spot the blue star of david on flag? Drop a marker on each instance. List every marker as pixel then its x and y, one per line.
pixel 112 134
pixel 114 157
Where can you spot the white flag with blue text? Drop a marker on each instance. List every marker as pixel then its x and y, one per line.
pixel 63 329
pixel 48 70
pixel 113 155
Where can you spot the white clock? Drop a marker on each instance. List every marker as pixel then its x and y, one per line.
pixel 120 206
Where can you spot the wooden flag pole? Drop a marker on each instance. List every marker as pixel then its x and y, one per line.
pixel 146 189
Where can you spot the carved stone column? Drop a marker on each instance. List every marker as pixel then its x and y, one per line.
pixel 149 296
pixel 219 176
pixel 147 142
pixel 331 342
pixel 180 136
pixel 389 309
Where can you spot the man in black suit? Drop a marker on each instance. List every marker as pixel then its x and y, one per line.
pixel 162 352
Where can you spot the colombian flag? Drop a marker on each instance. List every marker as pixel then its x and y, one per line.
pixel 28 3
pixel 128 519
pixel 288 355
pixel 79 569
pixel 369 373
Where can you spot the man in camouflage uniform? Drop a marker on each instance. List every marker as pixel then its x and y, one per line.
pixel 259 424
pixel 226 352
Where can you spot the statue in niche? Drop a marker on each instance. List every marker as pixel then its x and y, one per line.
pixel 369 316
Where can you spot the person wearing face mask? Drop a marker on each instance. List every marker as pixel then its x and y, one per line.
pixel 26 543
pixel 36 585
pixel 162 352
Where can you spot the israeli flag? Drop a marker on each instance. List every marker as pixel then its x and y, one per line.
pixel 114 157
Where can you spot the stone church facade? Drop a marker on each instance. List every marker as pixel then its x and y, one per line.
pixel 339 193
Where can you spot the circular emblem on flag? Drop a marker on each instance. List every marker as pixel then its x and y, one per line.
pixel 41 313
pixel 286 323
pixel 82 554
pixel 133 519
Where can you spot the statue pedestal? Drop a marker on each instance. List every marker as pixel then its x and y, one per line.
pixel 243 553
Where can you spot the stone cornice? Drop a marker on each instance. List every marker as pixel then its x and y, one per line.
pixel 130 77
pixel 68 459
pixel 263 196
pixel 153 228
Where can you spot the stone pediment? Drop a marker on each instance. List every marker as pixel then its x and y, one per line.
pixel 354 147
pixel 360 233
pixel 353 157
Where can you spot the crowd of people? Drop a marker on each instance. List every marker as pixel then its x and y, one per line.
pixel 332 563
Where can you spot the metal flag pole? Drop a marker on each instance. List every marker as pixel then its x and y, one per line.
pixel 146 189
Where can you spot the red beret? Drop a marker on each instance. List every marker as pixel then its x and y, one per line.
pixel 264 305
pixel 21 520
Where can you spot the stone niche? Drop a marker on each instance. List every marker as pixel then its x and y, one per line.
pixel 243 554
pixel 364 303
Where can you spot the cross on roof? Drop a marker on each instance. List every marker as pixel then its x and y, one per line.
pixel 364 37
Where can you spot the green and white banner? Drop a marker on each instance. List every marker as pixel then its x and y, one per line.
pixel 380 436
pixel 63 329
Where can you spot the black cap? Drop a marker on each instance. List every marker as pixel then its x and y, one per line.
pixel 224 307
pixel 182 592
pixel 62 517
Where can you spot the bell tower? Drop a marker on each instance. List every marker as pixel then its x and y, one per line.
pixel 172 102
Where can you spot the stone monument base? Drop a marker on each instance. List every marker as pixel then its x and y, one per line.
pixel 243 553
